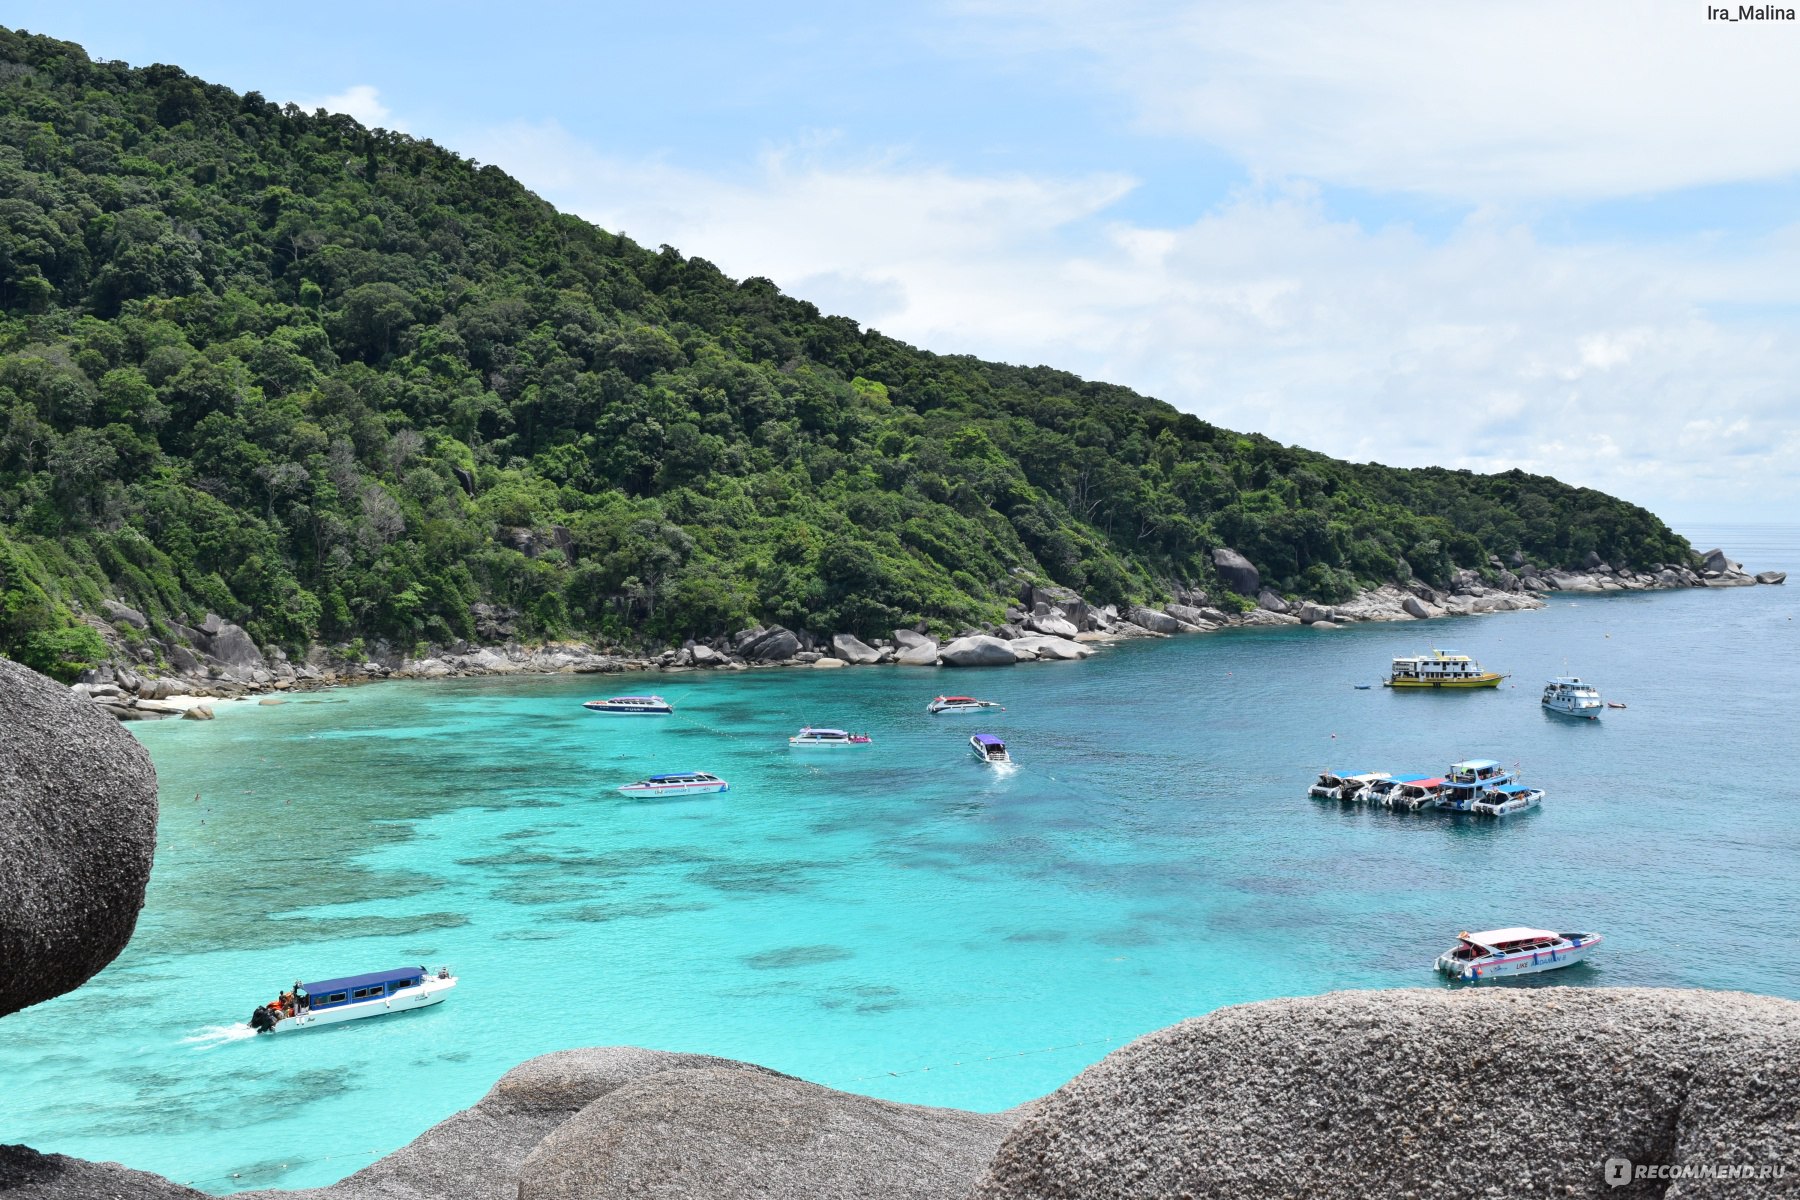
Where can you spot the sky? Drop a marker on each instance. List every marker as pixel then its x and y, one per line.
pixel 1561 237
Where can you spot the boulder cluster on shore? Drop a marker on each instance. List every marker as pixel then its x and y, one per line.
pixel 213 658
pixel 1426 1093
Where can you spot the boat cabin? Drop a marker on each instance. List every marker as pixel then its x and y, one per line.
pixel 1516 940
pixel 359 989
pixel 989 748
pixel 1416 793
pixel 1437 666
pixel 1477 770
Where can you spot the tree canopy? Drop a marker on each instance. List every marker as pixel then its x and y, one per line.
pixel 333 382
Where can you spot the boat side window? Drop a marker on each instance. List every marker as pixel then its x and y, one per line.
pixel 336 998
pixel 404 983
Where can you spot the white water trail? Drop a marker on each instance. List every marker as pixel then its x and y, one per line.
pixel 218 1035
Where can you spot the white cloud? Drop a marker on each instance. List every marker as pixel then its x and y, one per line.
pixel 1488 349
pixel 1474 101
pixel 359 100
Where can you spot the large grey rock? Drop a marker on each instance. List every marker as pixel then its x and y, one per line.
pixel 910 639
pixel 1311 613
pixel 1155 622
pixel 1415 607
pixel 27 1175
pixel 1187 614
pixel 77 833
pixel 923 653
pixel 722 1133
pixel 1043 646
pixel 852 649
pixel 1715 560
pixel 476 1154
pixel 1052 621
pixel 1423 1093
pixel 120 614
pixel 1237 572
pixel 1771 576
pixel 977 650
pixel 1270 602
pixel 773 644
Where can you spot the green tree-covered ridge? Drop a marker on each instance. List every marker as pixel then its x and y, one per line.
pixel 332 383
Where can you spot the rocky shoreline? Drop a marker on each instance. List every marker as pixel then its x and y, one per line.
pixel 151 678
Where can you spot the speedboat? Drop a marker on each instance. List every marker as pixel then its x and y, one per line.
pixel 1356 787
pixel 685 783
pixel 1466 782
pixel 632 706
pixel 1502 800
pixel 1573 698
pixel 960 704
pixel 1382 790
pixel 990 750
pixel 332 1001
pixel 1441 669
pixel 828 737
pixel 1343 785
pixel 1516 951
pixel 1415 794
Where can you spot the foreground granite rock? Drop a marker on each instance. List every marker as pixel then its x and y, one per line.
pixel 1425 1094
pixel 718 1133
pixel 77 835
pixel 27 1175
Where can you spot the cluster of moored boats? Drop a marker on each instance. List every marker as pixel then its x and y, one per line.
pixel 1478 785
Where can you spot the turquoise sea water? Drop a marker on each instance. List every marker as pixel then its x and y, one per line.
pixel 899 920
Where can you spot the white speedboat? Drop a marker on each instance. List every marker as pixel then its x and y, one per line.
pixel 332 1001
pixel 685 783
pixel 1494 953
pixel 960 704
pixel 811 737
pixel 989 749
pixel 1343 785
pixel 1415 794
pixel 632 706
pixel 1573 698
pixel 1381 791
pixel 1502 800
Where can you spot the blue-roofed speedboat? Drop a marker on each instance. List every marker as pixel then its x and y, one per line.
pixel 632 706
pixel 330 1001
pixel 827 738
pixel 684 783
pixel 1502 800
pixel 1467 781
pixel 1344 785
pixel 990 750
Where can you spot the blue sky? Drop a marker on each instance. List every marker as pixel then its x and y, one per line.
pixel 1484 235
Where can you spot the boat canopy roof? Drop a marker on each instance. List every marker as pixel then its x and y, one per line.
pixel 824 732
pixel 676 775
pixel 1511 789
pixel 1411 779
pixel 1473 764
pixel 1434 781
pixel 636 700
pixel 1515 933
pixel 1567 679
pixel 960 699
pixel 322 986
pixel 988 739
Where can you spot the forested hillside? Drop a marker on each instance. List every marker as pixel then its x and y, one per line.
pixel 334 383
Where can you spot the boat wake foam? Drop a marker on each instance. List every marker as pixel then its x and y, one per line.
pixel 218 1035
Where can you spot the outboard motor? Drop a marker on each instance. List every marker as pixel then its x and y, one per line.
pixel 262 1020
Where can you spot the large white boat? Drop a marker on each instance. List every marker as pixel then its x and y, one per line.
pixel 960 704
pixel 632 706
pixel 1572 698
pixel 684 783
pixel 1467 781
pixel 990 750
pixel 1505 799
pixel 1494 953
pixel 810 737
pixel 331 1001
pixel 1440 669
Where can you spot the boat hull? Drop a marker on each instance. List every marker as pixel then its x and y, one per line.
pixel 1582 714
pixel 1486 680
pixel 686 789
pixel 629 712
pixel 428 993
pixel 798 744
pixel 1531 963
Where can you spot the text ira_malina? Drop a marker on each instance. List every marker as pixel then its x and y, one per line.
pixel 1749 12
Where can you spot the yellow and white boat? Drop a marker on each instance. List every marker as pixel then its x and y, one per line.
pixel 1441 669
